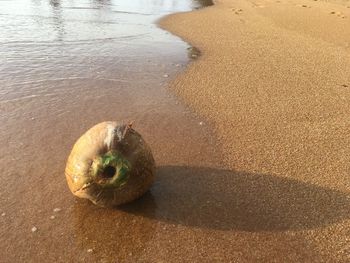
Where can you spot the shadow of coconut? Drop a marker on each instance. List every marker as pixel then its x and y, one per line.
pixel 229 200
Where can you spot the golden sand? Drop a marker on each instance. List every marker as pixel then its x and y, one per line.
pixel 274 79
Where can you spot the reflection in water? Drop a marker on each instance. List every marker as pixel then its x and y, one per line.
pixel 57 19
pixel 55 3
pixel 105 4
pixel 228 200
pixel 33 21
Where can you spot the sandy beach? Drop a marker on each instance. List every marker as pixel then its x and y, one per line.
pixel 274 79
pixel 251 139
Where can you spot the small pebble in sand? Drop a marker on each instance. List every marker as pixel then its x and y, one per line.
pixel 89 250
pixel 3 214
pixel 57 210
pixel 165 75
pixel 34 229
pixel 52 217
pixel 178 65
pixel 304 6
pixel 201 123
pixel 332 13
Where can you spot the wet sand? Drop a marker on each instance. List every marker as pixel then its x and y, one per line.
pixel 274 79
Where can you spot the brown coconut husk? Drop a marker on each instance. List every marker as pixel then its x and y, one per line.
pixel 110 165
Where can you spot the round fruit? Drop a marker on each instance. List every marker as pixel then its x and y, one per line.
pixel 110 165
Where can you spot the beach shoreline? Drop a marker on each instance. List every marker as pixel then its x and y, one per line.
pixel 250 139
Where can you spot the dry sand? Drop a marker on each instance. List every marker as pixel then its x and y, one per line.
pixel 274 80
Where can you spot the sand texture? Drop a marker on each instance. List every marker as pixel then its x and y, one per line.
pixel 274 80
pixel 256 170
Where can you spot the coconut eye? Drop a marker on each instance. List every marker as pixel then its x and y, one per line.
pixel 108 172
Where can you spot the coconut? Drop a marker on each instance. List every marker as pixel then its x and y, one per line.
pixel 110 164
